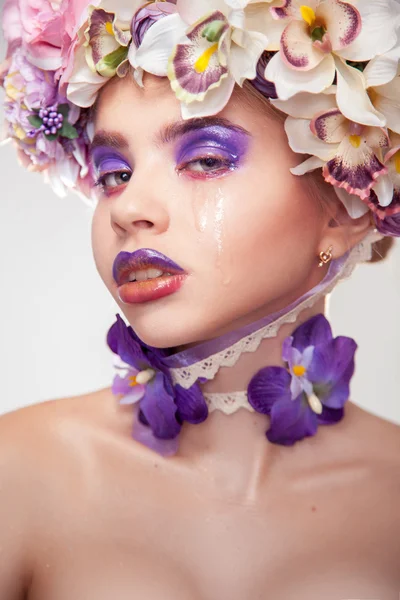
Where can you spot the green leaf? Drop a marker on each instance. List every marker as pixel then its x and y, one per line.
pixel 35 121
pixel 68 131
pixel 63 109
pixel 51 137
pixel 108 65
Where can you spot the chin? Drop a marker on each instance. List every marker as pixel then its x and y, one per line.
pixel 173 331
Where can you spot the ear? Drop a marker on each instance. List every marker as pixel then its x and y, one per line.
pixel 341 231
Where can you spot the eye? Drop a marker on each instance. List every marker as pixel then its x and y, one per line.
pixel 210 165
pixel 112 180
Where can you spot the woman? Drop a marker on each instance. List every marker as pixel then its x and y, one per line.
pixel 250 472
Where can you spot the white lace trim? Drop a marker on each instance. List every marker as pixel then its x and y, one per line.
pixel 208 367
pixel 228 403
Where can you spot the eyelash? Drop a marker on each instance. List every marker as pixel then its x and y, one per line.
pixel 101 182
pixel 223 165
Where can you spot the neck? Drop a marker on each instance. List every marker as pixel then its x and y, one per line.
pixel 232 449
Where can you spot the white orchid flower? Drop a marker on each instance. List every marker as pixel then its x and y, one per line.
pixel 351 154
pixel 204 49
pixel 318 37
pixel 101 50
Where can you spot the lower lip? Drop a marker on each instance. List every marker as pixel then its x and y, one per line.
pixel 151 289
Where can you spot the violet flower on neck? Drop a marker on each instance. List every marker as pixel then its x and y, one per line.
pixel 312 390
pixel 146 381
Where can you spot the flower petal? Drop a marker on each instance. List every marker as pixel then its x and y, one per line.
pixel 286 348
pixel 297 48
pixel 354 168
pixel 134 395
pixel 193 11
pixel 213 103
pixel 160 409
pixel 144 435
pixel 191 404
pixel 314 331
pixel 353 204
pixel 302 140
pixel 393 210
pixel 100 34
pixel 380 19
pixel 330 126
pixel 305 105
pixel 387 102
pixel 382 69
pixel 352 98
pixel 384 189
pixel 342 21
pixel 83 84
pixel 195 67
pixel 332 369
pixel 330 416
pixel 291 421
pixel 308 165
pixel 290 8
pixel 121 385
pixel 268 386
pixel 157 44
pixel 289 82
pixel 120 342
pixel 388 225
pixel 258 17
pixel 243 58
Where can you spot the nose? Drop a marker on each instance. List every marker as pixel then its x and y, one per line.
pixel 141 205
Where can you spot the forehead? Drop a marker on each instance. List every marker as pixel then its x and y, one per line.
pixel 124 106
pixel 123 100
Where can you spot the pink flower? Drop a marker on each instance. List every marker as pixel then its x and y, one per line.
pixel 37 26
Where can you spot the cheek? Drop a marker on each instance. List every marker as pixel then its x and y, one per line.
pixel 260 231
pixel 100 235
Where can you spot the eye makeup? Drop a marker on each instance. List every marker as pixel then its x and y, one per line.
pixel 225 145
pixel 108 161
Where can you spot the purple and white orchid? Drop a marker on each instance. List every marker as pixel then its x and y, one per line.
pixel 314 40
pixel 314 387
pixel 204 49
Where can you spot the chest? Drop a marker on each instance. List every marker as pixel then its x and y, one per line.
pixel 162 543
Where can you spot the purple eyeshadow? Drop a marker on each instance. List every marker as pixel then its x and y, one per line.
pixel 226 142
pixel 106 160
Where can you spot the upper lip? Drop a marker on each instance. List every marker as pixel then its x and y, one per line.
pixel 145 258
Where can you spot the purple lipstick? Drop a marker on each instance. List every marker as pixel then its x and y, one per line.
pixel 146 275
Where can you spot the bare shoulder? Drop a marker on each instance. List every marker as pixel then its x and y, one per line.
pixel 47 450
pixel 376 436
pixel 29 433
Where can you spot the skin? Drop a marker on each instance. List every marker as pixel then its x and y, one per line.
pixel 231 515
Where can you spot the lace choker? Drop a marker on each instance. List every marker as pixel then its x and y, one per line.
pixel 311 390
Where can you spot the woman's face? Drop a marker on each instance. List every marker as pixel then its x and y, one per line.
pixel 215 196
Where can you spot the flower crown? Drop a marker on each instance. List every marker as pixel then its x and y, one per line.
pixel 331 66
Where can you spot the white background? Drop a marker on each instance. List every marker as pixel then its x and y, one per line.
pixel 55 311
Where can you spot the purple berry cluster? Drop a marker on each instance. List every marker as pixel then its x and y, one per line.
pixel 52 120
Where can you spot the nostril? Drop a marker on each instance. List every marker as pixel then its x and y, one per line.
pixel 143 224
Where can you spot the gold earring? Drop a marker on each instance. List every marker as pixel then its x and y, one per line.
pixel 325 257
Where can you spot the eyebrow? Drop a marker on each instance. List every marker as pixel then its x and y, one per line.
pixel 113 139
pixel 171 132
pixel 168 133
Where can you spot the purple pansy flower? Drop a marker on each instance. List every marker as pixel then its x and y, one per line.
pixel 312 390
pixel 146 381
